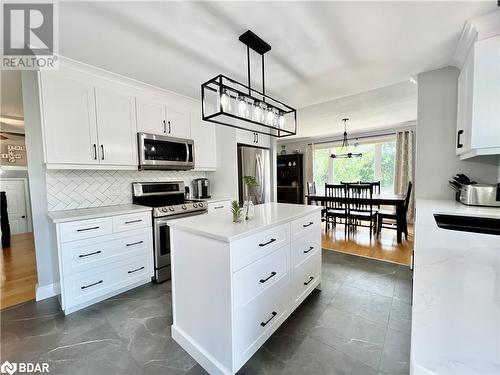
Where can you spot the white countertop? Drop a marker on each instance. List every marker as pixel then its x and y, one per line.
pixel 219 225
pixel 456 295
pixel 95 212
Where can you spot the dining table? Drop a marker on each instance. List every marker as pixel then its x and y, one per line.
pixel 395 200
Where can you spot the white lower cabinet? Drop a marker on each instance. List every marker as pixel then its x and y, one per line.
pixel 239 292
pixel 101 257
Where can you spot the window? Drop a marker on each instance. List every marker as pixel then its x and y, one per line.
pixel 376 164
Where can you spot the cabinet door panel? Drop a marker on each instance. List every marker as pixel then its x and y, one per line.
pixel 69 120
pixel 203 134
pixel 150 117
pixel 117 127
pixel 178 123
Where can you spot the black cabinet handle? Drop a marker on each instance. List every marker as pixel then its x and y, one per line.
pixel 89 254
pixel 95 151
pixel 217 207
pixel 169 128
pixel 310 248
pixel 256 137
pixel 86 229
pixel 267 243
pixel 138 269
pixel 459 133
pixel 307 225
pixel 102 152
pixel 262 281
pixel 310 279
pixel 164 126
pixel 263 324
pixel 88 286
pixel 133 221
pixel 134 243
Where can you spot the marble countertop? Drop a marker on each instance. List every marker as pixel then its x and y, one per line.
pixel 218 225
pixel 95 212
pixel 456 295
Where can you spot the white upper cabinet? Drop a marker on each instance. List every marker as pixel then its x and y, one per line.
pixel 478 111
pixel 253 139
pixel 69 119
pixel 150 116
pixel 178 122
pixel 116 126
pixel 160 115
pixel 203 134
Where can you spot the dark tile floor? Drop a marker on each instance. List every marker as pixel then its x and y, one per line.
pixel 358 324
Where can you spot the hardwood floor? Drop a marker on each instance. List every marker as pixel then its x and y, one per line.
pixel 383 248
pixel 18 271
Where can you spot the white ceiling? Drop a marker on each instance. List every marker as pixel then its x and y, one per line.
pixel 321 50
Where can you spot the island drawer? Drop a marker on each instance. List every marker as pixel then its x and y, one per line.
pixel 131 221
pixel 305 247
pixel 78 256
pixel 259 276
pixel 305 225
pixel 247 250
pixel 257 320
pixel 85 286
pixel 305 278
pixel 79 230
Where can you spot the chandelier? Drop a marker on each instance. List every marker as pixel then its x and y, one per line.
pixel 345 144
pixel 227 102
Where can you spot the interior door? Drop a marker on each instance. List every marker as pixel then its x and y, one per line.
pixel 16 205
pixel 117 128
pixel 150 116
pixel 70 130
pixel 178 123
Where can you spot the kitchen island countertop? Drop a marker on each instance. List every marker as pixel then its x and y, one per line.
pixel 219 225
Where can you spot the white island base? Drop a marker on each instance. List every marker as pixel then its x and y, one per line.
pixel 233 284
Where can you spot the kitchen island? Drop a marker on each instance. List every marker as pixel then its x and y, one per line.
pixel 233 284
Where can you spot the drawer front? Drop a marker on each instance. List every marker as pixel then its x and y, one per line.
pixel 305 225
pixel 305 278
pixel 84 286
pixel 305 247
pixel 257 320
pixel 219 206
pixel 131 221
pixel 78 256
pixel 79 230
pixel 260 276
pixel 249 249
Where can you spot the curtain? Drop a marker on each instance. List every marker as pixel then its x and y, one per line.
pixel 404 167
pixel 308 166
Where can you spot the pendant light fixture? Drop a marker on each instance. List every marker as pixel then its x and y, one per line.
pixel 227 102
pixel 345 144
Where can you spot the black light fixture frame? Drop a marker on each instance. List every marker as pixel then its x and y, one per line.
pixel 222 83
pixel 345 143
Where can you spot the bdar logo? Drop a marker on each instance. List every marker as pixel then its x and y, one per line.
pixel 8 367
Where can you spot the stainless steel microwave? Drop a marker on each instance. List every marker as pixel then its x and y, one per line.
pixel 162 152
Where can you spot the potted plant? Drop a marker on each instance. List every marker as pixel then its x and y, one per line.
pixel 236 210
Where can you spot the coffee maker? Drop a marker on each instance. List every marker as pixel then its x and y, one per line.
pixel 201 188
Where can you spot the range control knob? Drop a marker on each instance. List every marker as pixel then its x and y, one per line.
pixel 184 207
pixel 164 209
pixel 195 205
pixel 171 208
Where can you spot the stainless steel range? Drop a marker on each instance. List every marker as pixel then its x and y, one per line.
pixel 169 203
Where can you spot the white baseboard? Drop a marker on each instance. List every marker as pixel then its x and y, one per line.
pixel 47 291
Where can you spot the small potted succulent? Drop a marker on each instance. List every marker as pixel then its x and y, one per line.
pixel 237 211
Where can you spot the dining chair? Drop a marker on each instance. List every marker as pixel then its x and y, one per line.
pixel 335 210
pixel 376 186
pixel 311 190
pixel 360 212
pixel 388 219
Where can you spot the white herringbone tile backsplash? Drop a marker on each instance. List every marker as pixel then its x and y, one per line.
pixel 71 189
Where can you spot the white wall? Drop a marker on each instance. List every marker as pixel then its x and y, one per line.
pixel 436 161
pixel 44 236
